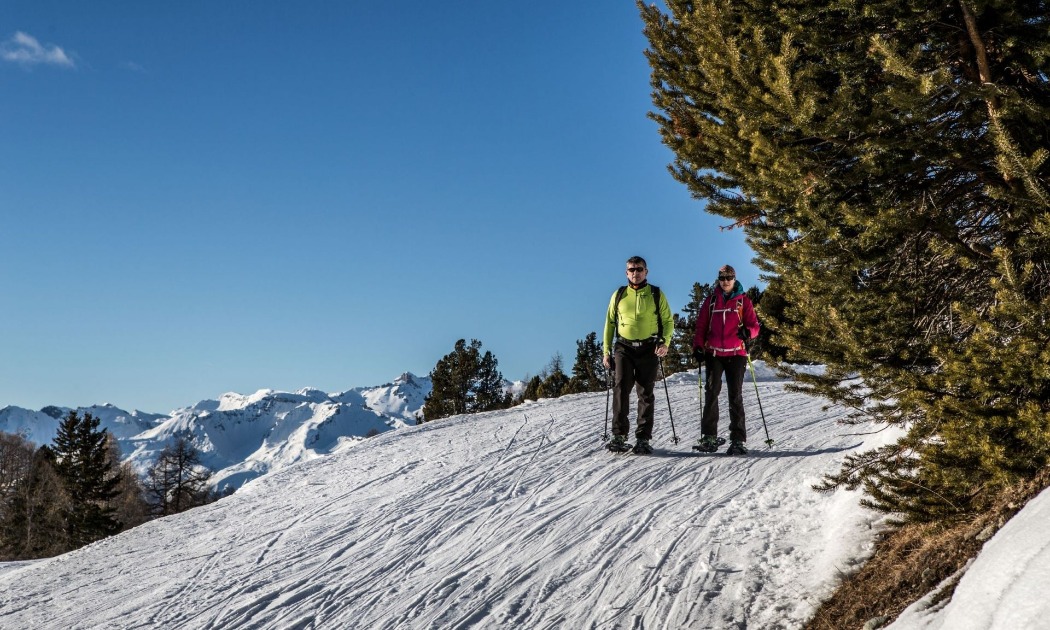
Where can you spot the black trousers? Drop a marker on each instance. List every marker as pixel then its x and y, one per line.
pixel 636 368
pixel 734 367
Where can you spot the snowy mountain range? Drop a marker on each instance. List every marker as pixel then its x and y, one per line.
pixel 242 437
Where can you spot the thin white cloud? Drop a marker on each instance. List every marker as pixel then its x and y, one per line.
pixel 25 50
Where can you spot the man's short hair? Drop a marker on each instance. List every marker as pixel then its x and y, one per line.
pixel 637 260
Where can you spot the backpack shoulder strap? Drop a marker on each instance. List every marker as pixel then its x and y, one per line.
pixel 659 320
pixel 711 298
pixel 616 307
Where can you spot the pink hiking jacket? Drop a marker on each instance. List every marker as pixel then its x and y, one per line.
pixel 718 320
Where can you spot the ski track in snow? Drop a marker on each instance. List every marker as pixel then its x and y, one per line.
pixel 513 518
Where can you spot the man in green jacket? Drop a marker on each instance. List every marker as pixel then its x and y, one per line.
pixel 640 319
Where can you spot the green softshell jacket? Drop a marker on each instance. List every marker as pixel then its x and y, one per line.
pixel 637 317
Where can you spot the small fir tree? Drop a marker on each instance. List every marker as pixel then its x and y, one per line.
pixel 685 327
pixel 676 359
pixel 489 388
pixel 588 372
pixel 556 383
pixel 532 388
pixel 465 381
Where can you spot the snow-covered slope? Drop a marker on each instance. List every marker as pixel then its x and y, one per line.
pixel 242 437
pixel 516 518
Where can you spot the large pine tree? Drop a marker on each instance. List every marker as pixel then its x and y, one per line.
pixel 887 161
pixel 90 477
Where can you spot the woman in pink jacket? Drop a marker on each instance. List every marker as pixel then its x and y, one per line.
pixel 725 322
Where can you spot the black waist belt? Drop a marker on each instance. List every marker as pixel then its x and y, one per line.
pixel 641 343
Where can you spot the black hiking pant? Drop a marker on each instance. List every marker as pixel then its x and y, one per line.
pixel 734 367
pixel 636 368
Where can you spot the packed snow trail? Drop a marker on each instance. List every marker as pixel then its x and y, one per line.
pixel 513 518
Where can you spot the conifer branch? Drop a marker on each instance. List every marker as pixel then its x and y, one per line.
pixel 984 68
pixel 1005 142
pixel 748 220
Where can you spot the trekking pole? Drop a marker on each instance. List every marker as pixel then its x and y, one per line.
pixel 700 379
pixel 608 389
pixel 769 440
pixel 700 386
pixel 674 436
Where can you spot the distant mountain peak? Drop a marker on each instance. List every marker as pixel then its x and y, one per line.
pixel 55 412
pixel 406 378
pixel 233 400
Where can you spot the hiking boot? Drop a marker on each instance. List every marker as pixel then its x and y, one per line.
pixel 736 447
pixel 642 447
pixel 618 444
pixel 706 444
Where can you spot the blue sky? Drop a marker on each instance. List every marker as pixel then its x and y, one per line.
pixel 202 197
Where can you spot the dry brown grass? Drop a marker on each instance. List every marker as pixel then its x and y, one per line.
pixel 913 560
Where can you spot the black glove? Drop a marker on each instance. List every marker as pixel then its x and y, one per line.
pixel 698 356
pixel 743 333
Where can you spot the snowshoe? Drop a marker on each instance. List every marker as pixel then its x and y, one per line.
pixel 709 444
pixel 642 447
pixel 618 444
pixel 736 448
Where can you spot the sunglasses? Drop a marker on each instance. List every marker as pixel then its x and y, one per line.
pixel 726 278
pixel 635 269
